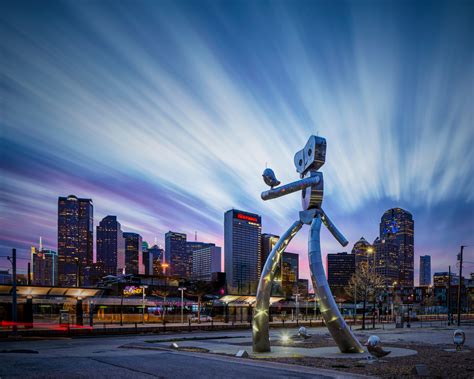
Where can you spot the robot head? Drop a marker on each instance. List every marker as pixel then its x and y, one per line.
pixel 312 157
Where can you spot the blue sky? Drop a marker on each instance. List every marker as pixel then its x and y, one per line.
pixel 166 113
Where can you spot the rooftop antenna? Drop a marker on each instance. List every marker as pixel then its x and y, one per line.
pixel 156 240
pixel 41 244
pixel 195 236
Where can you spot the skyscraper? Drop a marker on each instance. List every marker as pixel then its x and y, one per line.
pixel 157 254
pixel 399 223
pixel 340 268
pixel 133 254
pixel 75 238
pixel 387 259
pixel 206 261
pixel 45 267
pixel 242 245
pixel 363 252
pixel 425 270
pixel 289 273
pixel 110 246
pixel 268 242
pixel 177 256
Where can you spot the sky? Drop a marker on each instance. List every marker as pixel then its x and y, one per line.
pixel 166 113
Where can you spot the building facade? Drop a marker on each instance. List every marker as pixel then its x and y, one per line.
pixel 133 254
pixel 75 238
pixel 425 270
pixel 289 269
pixel 398 223
pixel 340 268
pixel 177 255
pixel 110 246
pixel 45 267
pixel 387 260
pixel 363 252
pixel 268 242
pixel 157 254
pixel 242 255
pixel 206 261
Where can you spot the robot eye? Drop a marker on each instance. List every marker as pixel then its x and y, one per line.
pixel 300 162
pixel 309 152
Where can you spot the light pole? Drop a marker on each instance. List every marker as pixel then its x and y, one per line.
pixel 182 289
pixel 371 251
pixel 143 302
pixel 12 259
pixel 297 306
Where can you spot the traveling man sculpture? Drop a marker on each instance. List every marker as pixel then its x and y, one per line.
pixel 307 162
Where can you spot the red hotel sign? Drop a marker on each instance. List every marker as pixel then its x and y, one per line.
pixel 247 218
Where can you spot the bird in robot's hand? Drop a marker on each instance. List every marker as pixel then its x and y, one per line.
pixel 269 178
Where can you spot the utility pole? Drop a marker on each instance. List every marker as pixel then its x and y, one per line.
pixel 12 259
pixel 460 256
pixel 449 296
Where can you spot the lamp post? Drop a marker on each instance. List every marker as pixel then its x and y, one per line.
pixel 371 251
pixel 12 260
pixel 297 306
pixel 182 289
pixel 165 266
pixel 143 302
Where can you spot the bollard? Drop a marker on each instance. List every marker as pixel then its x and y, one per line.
pixel 310 323
pixel 189 325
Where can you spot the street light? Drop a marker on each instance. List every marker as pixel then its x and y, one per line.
pixel 182 289
pixel 371 251
pixel 143 302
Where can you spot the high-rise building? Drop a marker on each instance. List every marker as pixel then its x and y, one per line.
pixel 303 287
pixel 110 246
pixel 387 260
pixel 289 273
pixel 268 242
pixel 75 238
pixel 442 278
pixel 157 254
pixel 206 261
pixel 177 256
pixel 399 223
pixel 242 244
pixel 363 252
pixel 133 254
pixel 340 268
pixel 45 267
pixel 425 270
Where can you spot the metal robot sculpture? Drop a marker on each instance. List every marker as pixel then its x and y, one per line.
pixel 307 162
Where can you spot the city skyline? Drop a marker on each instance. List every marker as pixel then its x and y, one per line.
pixel 169 132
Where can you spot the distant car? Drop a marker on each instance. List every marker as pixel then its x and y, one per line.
pixel 204 318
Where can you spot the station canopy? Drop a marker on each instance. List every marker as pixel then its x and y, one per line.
pixel 245 300
pixel 51 291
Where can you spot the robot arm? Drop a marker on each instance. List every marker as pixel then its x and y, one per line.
pixel 333 229
pixel 290 188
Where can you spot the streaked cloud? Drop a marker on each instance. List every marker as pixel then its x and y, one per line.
pixel 166 113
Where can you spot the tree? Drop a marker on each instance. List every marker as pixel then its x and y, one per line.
pixel 364 283
pixel 163 292
pixel 199 289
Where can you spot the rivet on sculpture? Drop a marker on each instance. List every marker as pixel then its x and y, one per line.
pixel 307 161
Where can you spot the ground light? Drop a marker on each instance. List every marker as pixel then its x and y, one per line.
pixel 285 338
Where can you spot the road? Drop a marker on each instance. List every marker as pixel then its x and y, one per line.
pixel 103 357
